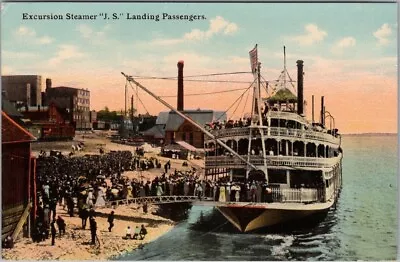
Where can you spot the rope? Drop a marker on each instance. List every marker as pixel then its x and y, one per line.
pixel 236 101
pixel 209 93
pixel 174 77
pixel 241 97
pixel 245 103
pixel 198 80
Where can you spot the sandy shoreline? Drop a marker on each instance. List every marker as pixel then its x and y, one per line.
pixel 74 245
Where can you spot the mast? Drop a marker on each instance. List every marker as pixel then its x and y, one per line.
pixel 130 79
pixel 257 122
pixel 284 67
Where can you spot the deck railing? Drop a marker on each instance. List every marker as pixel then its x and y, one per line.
pixel 231 161
pixel 301 195
pixel 277 131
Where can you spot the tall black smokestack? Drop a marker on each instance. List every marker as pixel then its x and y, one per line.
pixel 180 86
pixel 300 87
pixel 312 109
pixel 322 111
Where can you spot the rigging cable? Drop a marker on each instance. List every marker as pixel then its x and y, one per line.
pixel 196 80
pixel 174 77
pixel 138 98
pixel 210 93
pixel 245 103
pixel 241 97
pixel 236 101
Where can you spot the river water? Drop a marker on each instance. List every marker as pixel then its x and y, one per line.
pixel 362 226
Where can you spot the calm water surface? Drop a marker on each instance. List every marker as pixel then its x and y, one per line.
pixel 363 226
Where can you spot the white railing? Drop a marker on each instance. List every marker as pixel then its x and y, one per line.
pixel 287 115
pixel 277 131
pixel 228 161
pixel 300 195
pixel 236 131
pixel 154 200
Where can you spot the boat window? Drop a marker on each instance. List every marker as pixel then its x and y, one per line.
pixel 327 183
pixel 308 179
pixel 276 176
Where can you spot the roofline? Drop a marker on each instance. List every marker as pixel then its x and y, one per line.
pixel 20 127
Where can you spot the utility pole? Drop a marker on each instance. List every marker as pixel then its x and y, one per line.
pixel 126 91
pixel 133 126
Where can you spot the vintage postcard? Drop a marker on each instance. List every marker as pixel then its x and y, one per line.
pixel 199 131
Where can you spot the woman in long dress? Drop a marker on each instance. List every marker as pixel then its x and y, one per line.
pixel 90 198
pixel 100 201
pixel 129 192
pixel 222 194
pixel 228 192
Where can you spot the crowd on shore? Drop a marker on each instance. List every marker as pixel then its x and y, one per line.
pixel 87 182
pixel 80 183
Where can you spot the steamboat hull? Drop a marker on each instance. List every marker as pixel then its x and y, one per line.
pixel 256 216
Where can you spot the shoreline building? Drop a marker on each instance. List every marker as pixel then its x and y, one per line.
pixel 177 130
pixel 18 179
pixel 48 122
pixel 75 100
pixel 24 89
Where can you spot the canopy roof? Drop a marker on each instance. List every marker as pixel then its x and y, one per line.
pixel 283 95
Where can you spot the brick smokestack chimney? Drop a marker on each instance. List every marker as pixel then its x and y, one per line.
pixel 300 87
pixel 180 86
pixel 48 83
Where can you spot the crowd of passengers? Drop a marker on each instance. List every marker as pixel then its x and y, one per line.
pixel 245 122
pixel 92 180
pixel 81 182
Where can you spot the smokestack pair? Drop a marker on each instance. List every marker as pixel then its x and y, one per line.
pixel 180 86
pixel 300 109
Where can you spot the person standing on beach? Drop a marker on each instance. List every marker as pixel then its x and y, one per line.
pixel 61 225
pixel 84 216
pixel 93 229
pixel 53 233
pixel 70 205
pixel 110 221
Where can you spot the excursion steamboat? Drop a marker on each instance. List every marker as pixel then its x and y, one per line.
pixel 297 163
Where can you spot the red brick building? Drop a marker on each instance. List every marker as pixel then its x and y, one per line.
pixel 52 121
pixel 18 177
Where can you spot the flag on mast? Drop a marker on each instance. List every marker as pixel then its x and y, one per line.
pixel 253 59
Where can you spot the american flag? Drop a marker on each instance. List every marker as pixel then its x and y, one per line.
pixel 253 59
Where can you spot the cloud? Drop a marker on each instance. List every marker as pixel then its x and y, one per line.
pixel 29 34
pixel 66 52
pixel 343 43
pixel 347 42
pixel 383 33
pixel 45 40
pixel 312 35
pixel 87 32
pixel 217 26
pixel 25 31
pixel 17 55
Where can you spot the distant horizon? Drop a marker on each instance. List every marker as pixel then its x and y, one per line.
pixel 366 134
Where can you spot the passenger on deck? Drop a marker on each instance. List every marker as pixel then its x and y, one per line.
pixel 222 194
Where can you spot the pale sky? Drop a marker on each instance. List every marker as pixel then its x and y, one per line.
pixel 349 53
